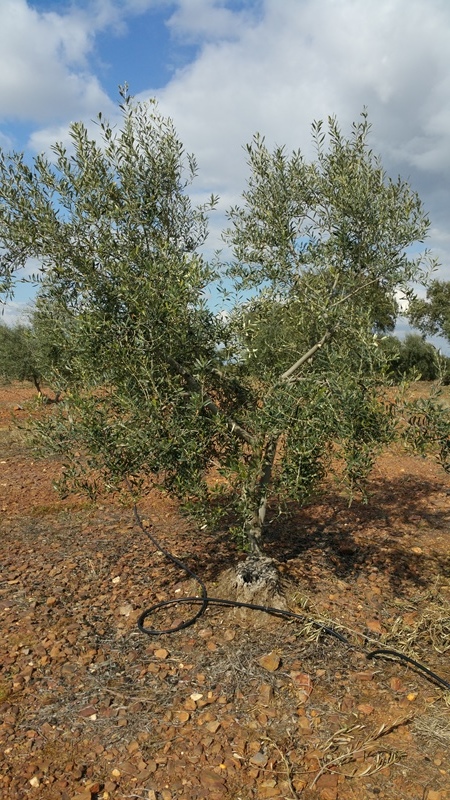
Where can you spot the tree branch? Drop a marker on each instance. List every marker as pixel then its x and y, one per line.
pixel 286 375
pixel 355 291
pixel 195 386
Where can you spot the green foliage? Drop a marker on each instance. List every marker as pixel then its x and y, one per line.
pixel 37 351
pixel 339 217
pixel 18 356
pixel 414 358
pixel 156 384
pixel 427 428
pixel 417 354
pixel 432 316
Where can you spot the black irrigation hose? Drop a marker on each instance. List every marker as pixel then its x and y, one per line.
pixel 205 600
pixel 408 660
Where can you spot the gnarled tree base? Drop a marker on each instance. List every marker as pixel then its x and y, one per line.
pixel 255 580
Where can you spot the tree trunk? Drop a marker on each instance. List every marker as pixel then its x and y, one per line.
pixel 37 385
pixel 254 528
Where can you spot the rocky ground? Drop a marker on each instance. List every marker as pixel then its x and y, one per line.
pixel 241 705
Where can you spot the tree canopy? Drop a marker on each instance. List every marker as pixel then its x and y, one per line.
pixel 270 395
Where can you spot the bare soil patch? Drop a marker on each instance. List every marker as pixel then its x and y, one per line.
pixel 240 706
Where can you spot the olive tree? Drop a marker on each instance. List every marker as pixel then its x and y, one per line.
pixel 432 315
pixel 37 349
pixel 233 413
pixel 18 357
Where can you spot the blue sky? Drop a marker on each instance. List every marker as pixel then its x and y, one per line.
pixel 223 69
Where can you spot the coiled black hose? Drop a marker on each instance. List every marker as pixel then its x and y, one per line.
pixel 205 600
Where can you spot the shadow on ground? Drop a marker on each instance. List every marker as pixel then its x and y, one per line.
pixel 351 541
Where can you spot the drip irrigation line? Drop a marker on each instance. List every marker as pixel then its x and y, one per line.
pixel 386 652
pixel 204 601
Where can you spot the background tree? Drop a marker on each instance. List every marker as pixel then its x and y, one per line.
pixel 414 358
pixel 157 383
pixel 418 355
pixel 38 351
pixel 18 357
pixel 432 316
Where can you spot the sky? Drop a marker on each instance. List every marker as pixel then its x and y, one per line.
pixel 224 69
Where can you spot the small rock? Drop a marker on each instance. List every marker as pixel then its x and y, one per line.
pixel 213 726
pixel 34 782
pixel 270 662
pixel 397 685
pixel 374 625
pixel 259 759
pixel 363 676
pixel 94 788
pixel 365 708
pixel 303 683
pixel 182 716
pixel 327 781
pixel 89 711
pixel 211 780
pixel 329 794
pixel 265 693
pixel 161 653
pixel 269 792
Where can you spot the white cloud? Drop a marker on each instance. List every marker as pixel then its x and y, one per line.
pixel 45 72
pixel 43 67
pixel 300 61
pixel 261 65
pixel 293 62
pixel 114 13
pixel 5 142
pixel 200 20
pixel 13 312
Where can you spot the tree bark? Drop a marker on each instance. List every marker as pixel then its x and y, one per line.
pixel 255 524
pixel 37 386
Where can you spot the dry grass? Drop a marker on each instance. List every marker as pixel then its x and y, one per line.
pixel 347 746
pixel 435 725
pixel 416 631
